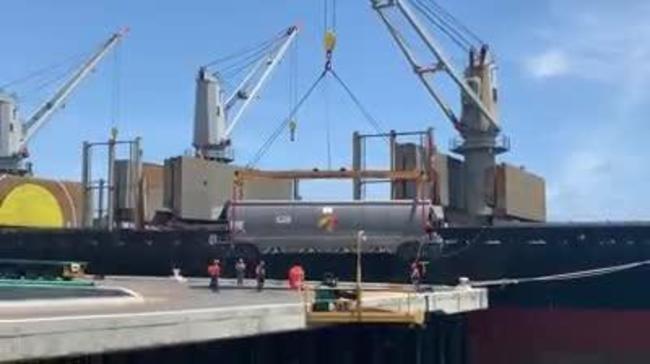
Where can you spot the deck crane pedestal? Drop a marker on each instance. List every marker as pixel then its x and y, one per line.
pixel 15 133
pixel 213 123
pixel 477 125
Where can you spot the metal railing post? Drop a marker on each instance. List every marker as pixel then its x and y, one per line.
pixel 356 165
pixel 110 198
pixel 87 195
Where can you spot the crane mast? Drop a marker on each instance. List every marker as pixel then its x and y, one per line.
pixel 477 124
pixel 15 134
pixel 213 125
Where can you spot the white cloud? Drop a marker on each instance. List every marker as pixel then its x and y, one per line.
pixel 597 182
pixel 603 172
pixel 550 63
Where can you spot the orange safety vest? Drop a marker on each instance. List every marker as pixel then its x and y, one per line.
pixel 214 270
pixel 296 277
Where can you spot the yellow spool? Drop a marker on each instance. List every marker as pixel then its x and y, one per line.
pixel 31 205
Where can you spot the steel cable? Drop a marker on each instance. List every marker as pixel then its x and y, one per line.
pixel 443 26
pixel 328 126
pixel 44 70
pixel 260 46
pixel 242 64
pixel 366 114
pixel 457 22
pixel 268 143
pixel 31 93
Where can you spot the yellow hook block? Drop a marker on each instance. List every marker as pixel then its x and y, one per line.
pixel 330 41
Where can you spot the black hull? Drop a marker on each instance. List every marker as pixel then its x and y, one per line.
pixel 477 253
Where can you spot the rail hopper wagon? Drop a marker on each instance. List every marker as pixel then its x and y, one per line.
pixel 332 227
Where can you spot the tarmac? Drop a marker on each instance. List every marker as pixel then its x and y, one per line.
pixel 156 312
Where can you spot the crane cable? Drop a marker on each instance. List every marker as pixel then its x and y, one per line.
pixel 293 89
pixel 448 24
pixel 42 72
pixel 328 123
pixel 274 135
pixel 234 69
pixel 268 143
pixel 452 33
pixel 364 111
pixel 232 65
pixel 329 44
pixel 460 25
pixel 329 25
pixel 116 87
pixel 53 79
pixel 248 50
pixel 246 61
pixel 33 95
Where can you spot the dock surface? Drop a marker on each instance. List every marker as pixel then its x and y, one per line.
pixel 157 312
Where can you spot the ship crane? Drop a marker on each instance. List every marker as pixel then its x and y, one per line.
pixel 15 134
pixel 217 115
pixel 477 123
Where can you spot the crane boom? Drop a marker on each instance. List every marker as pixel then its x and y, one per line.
pixel 477 123
pixel 15 134
pixel 213 125
pixel 268 65
pixel 441 65
pixel 411 58
pixel 47 109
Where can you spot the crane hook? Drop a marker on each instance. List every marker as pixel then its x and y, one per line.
pixel 330 44
pixel 292 130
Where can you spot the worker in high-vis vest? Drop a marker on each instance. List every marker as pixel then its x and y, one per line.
pixel 296 277
pixel 214 271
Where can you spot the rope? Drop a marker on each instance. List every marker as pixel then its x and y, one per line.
pixel 564 276
pixel 272 138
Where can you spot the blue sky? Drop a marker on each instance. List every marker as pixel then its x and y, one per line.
pixel 574 78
